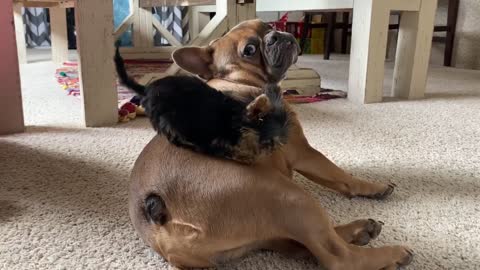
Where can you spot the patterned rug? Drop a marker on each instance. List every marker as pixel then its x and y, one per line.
pixel 67 77
pixel 128 105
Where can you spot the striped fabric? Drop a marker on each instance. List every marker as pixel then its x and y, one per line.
pixel 185 17
pixel 175 20
pixel 37 30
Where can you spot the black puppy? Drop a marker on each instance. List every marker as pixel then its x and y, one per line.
pixel 194 115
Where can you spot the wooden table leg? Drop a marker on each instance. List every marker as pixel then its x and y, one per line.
pixel 247 11
pixel 142 27
pixel 11 120
pixel 94 22
pixel 59 35
pixel 368 49
pixel 20 33
pixel 413 51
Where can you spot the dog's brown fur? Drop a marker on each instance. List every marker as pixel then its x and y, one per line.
pixel 219 210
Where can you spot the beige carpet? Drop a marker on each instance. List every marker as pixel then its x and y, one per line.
pixel 63 189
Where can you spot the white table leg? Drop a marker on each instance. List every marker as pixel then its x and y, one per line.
pixel 369 42
pixel 20 33
pixel 413 51
pixel 96 49
pixel 142 27
pixel 58 30
pixel 246 12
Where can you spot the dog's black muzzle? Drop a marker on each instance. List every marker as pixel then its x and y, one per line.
pixel 281 51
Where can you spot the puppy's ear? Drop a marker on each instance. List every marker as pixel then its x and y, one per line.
pixel 195 60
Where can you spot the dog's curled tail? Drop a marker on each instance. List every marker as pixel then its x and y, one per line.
pixel 122 73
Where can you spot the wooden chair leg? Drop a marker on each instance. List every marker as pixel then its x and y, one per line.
pixel 306 25
pixel 345 26
pixel 451 28
pixel 330 38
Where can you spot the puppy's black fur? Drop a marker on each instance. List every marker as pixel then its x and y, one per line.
pixel 194 115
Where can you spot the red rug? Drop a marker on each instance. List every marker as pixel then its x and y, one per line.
pixel 293 96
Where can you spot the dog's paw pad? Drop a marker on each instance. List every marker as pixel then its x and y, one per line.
pixel 370 231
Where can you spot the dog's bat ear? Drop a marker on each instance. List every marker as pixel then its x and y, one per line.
pixel 195 60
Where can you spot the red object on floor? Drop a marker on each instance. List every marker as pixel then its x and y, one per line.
pixel 324 94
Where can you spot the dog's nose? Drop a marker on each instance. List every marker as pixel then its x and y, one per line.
pixel 274 37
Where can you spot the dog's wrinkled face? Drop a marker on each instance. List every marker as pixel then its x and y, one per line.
pixel 251 53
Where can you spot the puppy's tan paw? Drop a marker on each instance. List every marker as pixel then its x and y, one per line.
pixel 259 107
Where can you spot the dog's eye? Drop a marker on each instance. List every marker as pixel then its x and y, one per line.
pixel 249 50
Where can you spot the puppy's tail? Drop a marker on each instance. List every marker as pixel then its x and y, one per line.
pixel 123 76
pixel 274 94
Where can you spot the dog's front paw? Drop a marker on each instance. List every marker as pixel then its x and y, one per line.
pixel 370 229
pixel 385 193
pixel 374 191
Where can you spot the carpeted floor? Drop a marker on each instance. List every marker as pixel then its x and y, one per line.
pixel 63 189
